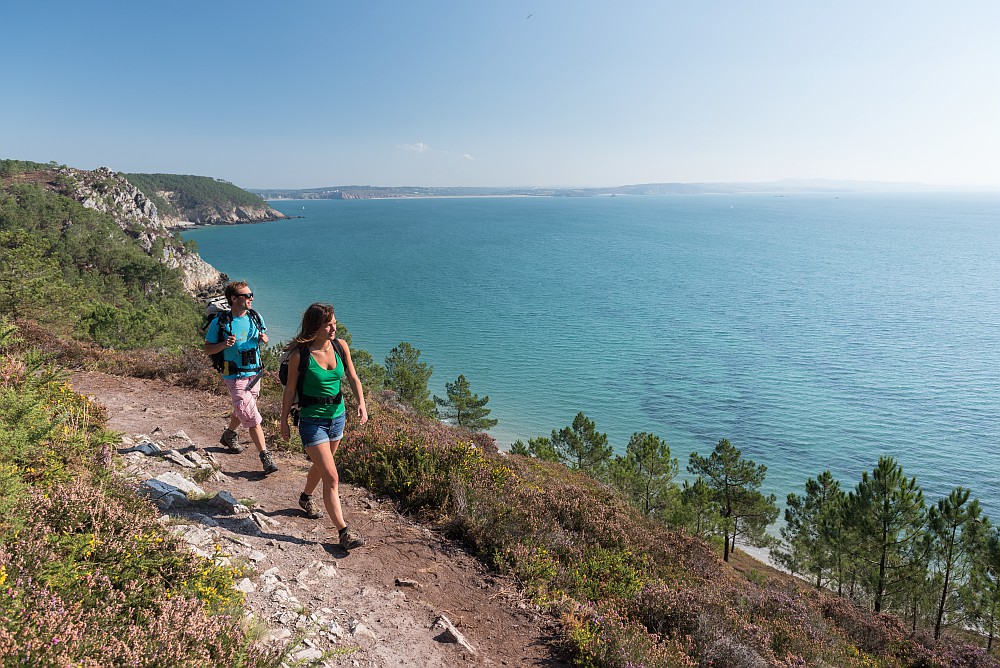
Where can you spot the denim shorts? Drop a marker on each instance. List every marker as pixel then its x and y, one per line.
pixel 314 431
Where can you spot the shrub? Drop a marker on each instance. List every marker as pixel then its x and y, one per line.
pixel 88 577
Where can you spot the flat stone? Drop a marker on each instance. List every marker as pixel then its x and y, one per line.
pixel 227 502
pixel 180 482
pixel 194 534
pixel 179 459
pixel 265 522
pixel 164 495
pixel 450 634
pixel 245 586
pixel 204 520
pixel 197 459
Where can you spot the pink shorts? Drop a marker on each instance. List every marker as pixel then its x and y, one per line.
pixel 244 401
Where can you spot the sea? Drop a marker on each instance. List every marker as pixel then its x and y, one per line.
pixel 813 331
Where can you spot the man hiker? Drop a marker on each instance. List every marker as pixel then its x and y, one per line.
pixel 237 334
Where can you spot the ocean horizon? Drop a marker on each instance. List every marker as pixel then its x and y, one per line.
pixel 814 331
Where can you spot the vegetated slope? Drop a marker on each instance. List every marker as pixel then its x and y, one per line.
pixel 84 252
pixel 202 199
pixel 630 591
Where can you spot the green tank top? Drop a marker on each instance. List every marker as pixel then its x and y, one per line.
pixel 320 382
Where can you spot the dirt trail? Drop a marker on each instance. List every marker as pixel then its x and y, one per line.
pixel 375 606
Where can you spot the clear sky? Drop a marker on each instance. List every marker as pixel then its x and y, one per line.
pixel 501 93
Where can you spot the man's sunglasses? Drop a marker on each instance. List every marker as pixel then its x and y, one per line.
pixel 245 295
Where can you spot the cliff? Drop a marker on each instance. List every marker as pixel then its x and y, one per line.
pixel 184 200
pixel 110 193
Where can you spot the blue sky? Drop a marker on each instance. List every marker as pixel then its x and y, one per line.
pixel 541 93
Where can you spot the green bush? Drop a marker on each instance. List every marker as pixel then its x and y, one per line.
pixel 88 576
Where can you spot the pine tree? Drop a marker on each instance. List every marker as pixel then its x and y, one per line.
pixel 581 447
pixel 539 448
pixel 735 483
pixel 949 523
pixel 408 377
pixel 646 473
pixel 981 593
pixel 464 407
pixel 888 511
pixel 810 527
pixel 703 510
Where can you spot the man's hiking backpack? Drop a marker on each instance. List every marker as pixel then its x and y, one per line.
pixel 218 309
pixel 302 400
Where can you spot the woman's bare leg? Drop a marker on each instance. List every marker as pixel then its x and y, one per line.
pixel 326 470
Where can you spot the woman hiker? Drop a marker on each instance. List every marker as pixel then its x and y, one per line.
pixel 321 409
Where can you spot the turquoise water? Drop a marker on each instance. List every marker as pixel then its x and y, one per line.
pixel 813 331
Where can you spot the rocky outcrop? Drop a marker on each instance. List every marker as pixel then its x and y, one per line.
pixel 215 214
pixel 110 193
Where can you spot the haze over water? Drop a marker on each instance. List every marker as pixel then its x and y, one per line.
pixel 813 331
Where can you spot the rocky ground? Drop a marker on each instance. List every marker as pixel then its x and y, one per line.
pixel 410 597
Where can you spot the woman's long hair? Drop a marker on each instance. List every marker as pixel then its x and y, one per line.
pixel 316 316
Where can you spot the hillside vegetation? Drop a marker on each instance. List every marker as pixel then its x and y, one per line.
pixel 74 269
pixel 201 199
pixel 632 565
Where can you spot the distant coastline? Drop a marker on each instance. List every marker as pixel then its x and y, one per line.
pixel 783 187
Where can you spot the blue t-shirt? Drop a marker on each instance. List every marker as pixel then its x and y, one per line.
pixel 247 338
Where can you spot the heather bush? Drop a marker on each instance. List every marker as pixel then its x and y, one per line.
pixel 604 637
pixel 88 577
pixel 630 591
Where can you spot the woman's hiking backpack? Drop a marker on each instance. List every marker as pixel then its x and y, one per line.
pixel 301 400
pixel 218 309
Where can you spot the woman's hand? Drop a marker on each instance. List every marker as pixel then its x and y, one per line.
pixel 362 414
pixel 286 433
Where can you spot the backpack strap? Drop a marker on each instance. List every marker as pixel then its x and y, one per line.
pixel 338 348
pixel 256 320
pixel 305 399
pixel 225 319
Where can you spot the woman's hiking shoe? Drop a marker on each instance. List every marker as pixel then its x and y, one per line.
pixel 267 461
pixel 230 440
pixel 309 505
pixel 350 539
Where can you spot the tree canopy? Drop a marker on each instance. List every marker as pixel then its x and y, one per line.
pixel 408 377
pixel 735 483
pixel 465 408
pixel 580 446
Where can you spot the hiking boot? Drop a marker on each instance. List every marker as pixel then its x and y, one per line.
pixel 267 461
pixel 350 539
pixel 309 505
pixel 231 441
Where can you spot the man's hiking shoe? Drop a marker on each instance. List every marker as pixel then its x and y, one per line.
pixel 309 505
pixel 230 440
pixel 267 461
pixel 350 539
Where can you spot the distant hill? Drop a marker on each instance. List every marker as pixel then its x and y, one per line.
pixel 783 186
pixel 181 199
